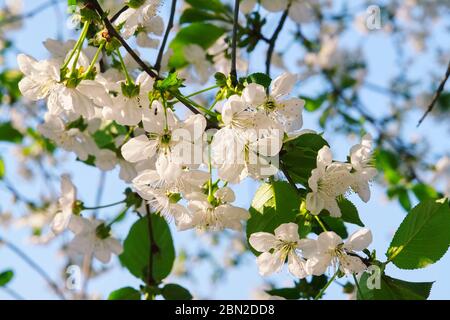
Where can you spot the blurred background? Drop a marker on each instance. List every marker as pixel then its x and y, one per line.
pixel 393 72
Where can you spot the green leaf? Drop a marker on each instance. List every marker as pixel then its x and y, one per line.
pixel 9 133
pixel 259 78
pixel 312 104
pixel 202 34
pixel 195 15
pixel 2 168
pixel 135 256
pixel 423 191
pixel 6 277
pixel 349 212
pixel 126 293
pixel 302 150
pixel 71 2
pixel 423 237
pixel 393 289
pixel 302 290
pixel 273 204
pixel 172 291
pixel 211 5
pixel 332 224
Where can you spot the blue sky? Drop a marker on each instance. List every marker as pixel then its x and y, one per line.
pixel 381 216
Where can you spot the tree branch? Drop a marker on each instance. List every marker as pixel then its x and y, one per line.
pixel 166 36
pixel 118 13
pixel 113 32
pixel 30 14
pixel 436 95
pixel 35 267
pixel 233 71
pixel 274 38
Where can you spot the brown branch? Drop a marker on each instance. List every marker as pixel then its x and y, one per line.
pixel 166 36
pixel 233 71
pixel 274 38
pixel 118 13
pixel 113 32
pixel 436 95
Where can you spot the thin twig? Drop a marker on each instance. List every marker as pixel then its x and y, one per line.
pixel 12 293
pixel 113 32
pixel 166 36
pixel 118 13
pixel 233 71
pixel 35 267
pixel 30 14
pixel 274 38
pixel 436 95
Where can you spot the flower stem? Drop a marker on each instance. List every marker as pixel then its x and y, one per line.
pixel 358 287
pixel 201 91
pixel 78 44
pixel 94 60
pixel 326 286
pixel 321 223
pixel 122 63
pixel 105 206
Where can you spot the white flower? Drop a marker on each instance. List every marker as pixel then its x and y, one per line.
pixel 135 18
pixel 105 159
pixel 164 191
pixel 236 114
pixel 196 56
pixel 92 237
pixel 70 140
pixel 328 181
pixel 252 152
pixel 283 244
pixel 222 63
pixel 154 25
pixel 170 140
pixel 442 173
pixel 40 77
pixel 128 110
pixel 332 251
pixel 67 203
pixel 287 113
pixel 42 80
pixel 214 214
pixel 360 157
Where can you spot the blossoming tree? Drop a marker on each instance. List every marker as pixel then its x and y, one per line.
pixel 186 129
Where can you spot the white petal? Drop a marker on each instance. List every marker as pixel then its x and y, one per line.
pixel 254 94
pixel 269 263
pixel 296 265
pixel 287 232
pixel 138 149
pixel 359 240
pixel 283 84
pixel 328 241
pixel 314 203
pixel 262 241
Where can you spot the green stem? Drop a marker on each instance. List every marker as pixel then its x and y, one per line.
pixel 94 60
pixel 213 104
pixel 77 44
pixel 321 223
pixel 187 101
pixel 122 63
pixel 358 287
pixel 326 286
pixel 201 91
pixel 104 206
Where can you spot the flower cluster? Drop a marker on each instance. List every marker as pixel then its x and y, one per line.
pixel 307 256
pixel 165 156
